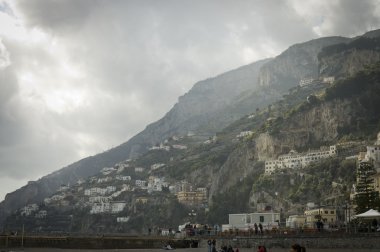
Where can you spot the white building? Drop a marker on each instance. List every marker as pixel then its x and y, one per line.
pixel 296 221
pixel 122 219
pixel 306 81
pixel 123 178
pixel 329 79
pixel 244 134
pixel 118 206
pixel 161 147
pixel 246 221
pixel 29 209
pixel 108 207
pixel 140 183
pixel 295 160
pixel 179 146
pixel 107 170
pixel 101 207
pixel 95 191
pixel 104 180
pixel 98 199
pixel 139 169
pixel 156 166
pixel 373 153
pixel 110 189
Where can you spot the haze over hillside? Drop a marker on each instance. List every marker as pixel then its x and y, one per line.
pixel 213 104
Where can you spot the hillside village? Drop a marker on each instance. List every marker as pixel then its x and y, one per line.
pixel 327 215
pixel 232 176
pixel 103 194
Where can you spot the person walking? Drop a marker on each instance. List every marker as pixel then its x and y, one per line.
pixel 209 245
pixel 261 228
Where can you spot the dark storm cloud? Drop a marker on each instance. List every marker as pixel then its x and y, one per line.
pixel 351 17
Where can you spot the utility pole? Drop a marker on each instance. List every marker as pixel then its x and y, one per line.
pixel 22 236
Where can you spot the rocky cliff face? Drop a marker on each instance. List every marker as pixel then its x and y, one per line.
pixel 297 62
pixel 319 125
pixel 343 60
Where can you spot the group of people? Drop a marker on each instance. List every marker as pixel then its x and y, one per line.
pixel 212 247
pixel 294 248
pixel 261 248
pixel 258 227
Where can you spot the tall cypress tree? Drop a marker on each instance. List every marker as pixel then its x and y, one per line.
pixel 366 197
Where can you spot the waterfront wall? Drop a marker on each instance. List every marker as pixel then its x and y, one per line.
pixel 367 241
pixel 102 242
pixel 358 241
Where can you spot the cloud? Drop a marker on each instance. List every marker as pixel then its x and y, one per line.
pixel 79 77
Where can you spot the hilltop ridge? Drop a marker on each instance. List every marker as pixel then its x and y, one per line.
pixel 208 109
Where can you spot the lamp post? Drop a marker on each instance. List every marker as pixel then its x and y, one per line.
pixel 192 215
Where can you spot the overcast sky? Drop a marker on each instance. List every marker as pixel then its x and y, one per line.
pixel 78 77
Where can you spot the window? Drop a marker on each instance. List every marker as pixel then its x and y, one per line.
pixel 326 212
pixel 261 218
pixel 331 212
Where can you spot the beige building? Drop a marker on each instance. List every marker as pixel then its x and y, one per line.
pixel 192 198
pixel 326 214
pixel 142 200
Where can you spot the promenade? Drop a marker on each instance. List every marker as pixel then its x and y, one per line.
pixel 314 242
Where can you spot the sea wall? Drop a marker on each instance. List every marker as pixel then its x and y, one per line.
pixel 367 241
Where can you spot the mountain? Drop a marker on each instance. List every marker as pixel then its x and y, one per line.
pixel 206 109
pixel 200 110
pixel 298 62
pixel 231 166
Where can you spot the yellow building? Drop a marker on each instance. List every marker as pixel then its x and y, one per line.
pixel 192 198
pixel 142 200
pixel 326 214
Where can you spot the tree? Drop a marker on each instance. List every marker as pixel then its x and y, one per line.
pixel 366 197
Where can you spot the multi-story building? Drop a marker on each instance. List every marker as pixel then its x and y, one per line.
pixel 29 209
pixel 140 183
pixel 98 199
pixel 123 178
pixel 118 206
pixel 306 81
pixel 139 169
pixel 196 198
pixel 299 160
pixel 326 214
pixel 183 186
pixel 141 200
pixel 108 207
pixel 329 79
pixel 373 154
